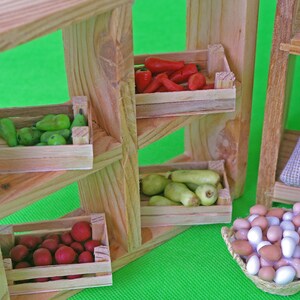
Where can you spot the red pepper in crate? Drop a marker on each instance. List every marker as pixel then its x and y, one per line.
pixel 143 78
pixel 155 84
pixel 196 81
pixel 158 65
pixel 170 85
pixel 183 74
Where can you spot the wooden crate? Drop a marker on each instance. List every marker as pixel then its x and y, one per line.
pixel 181 215
pixel 98 273
pixel 76 156
pixel 214 66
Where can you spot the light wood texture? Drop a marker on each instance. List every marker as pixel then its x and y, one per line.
pixel 233 24
pixel 99 272
pixel 276 101
pixel 4 293
pixel 181 215
pixel 152 105
pixel 22 20
pixel 7 240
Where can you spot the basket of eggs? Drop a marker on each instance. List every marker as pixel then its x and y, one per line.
pixel 266 247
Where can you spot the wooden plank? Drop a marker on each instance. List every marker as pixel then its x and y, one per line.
pixel 276 100
pixel 4 293
pixel 224 136
pixel 284 193
pixel 22 21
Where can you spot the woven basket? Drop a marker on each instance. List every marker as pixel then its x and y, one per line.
pixel 269 287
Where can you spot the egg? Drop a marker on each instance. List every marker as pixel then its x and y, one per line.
pixel 296 220
pixel 241 224
pixel 252 217
pixel 287 225
pixel 296 208
pixel 266 263
pixel 255 235
pixel 273 220
pixel 295 263
pixel 287 216
pixel 297 252
pixel 260 221
pixel 270 253
pixel 253 265
pixel 288 246
pixel 276 212
pixel 266 273
pixel 284 275
pixel 261 244
pixel 281 262
pixel 242 247
pixel 293 234
pixel 274 233
pixel 241 234
pixel 258 209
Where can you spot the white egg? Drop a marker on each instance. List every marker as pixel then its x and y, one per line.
pixel 261 244
pixel 252 217
pixel 288 246
pixel 293 234
pixel 287 216
pixel 273 220
pixel 297 252
pixel 255 235
pixel 287 225
pixel 253 265
pixel 284 275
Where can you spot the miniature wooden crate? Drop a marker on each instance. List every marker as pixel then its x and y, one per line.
pixel 98 273
pixel 213 65
pixel 181 215
pixel 76 156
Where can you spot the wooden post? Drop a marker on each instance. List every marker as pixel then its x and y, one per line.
pixel 224 136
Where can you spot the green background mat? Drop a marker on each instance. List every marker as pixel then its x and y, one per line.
pixel 196 263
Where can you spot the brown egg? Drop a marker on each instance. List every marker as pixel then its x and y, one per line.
pixel 295 262
pixel 280 263
pixel 241 224
pixel 266 263
pixel 270 253
pixel 266 273
pixel 258 209
pixel 241 247
pixel 296 208
pixel 274 233
pixel 276 212
pixel 296 220
pixel 260 221
pixel 241 234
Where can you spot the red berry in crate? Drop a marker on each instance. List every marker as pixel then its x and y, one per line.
pixel 18 253
pixel 22 265
pixel 74 276
pixel 85 257
pixel 91 244
pixel 31 242
pixel 53 236
pixel 66 238
pixel 50 244
pixel 65 255
pixel 77 247
pixel 81 231
pixel 42 257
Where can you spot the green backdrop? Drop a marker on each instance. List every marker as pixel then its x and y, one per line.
pixel 196 263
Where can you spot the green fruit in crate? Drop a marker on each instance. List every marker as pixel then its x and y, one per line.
pixel 28 136
pixel 54 122
pixel 196 176
pixel 79 120
pixel 41 144
pixel 56 139
pixel 179 192
pixel 192 186
pixel 161 201
pixel 207 193
pixel 154 184
pixel 46 135
pixel 8 132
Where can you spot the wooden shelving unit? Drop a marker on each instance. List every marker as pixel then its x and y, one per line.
pixel 277 142
pixel 99 62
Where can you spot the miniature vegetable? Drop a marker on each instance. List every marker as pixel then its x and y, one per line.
pixel 158 65
pixel 54 122
pixel 196 81
pixel 183 74
pixel 79 120
pixel 63 132
pixel 8 132
pixel 155 84
pixel 170 85
pixel 56 139
pixel 161 201
pixel 207 193
pixel 28 136
pixel 143 77
pixel 153 184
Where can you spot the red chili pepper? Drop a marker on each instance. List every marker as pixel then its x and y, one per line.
pixel 143 78
pixel 170 85
pixel 155 83
pixel 196 81
pixel 210 86
pixel 162 89
pixel 183 74
pixel 158 65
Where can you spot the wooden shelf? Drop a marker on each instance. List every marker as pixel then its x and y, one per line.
pixel 22 21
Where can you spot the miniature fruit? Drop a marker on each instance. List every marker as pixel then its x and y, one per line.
pixel 161 201
pixel 179 192
pixel 65 255
pixel 81 231
pixel 56 139
pixel 91 244
pixel 54 122
pixel 18 253
pixel 50 244
pixel 207 193
pixel 66 238
pixel 30 241
pixel 42 257
pixel 8 132
pixel 85 257
pixel 153 184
